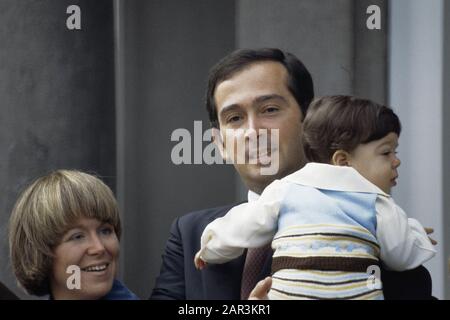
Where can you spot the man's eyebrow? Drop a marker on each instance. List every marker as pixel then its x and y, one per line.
pixel 269 97
pixel 257 100
pixel 228 108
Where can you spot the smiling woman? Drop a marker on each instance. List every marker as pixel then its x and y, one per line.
pixel 64 220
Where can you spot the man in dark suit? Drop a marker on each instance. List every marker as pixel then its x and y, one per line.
pixel 253 89
pixel 6 294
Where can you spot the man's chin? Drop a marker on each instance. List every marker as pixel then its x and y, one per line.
pixel 254 177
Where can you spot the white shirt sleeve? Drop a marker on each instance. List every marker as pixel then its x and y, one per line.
pixel 249 225
pixel 404 244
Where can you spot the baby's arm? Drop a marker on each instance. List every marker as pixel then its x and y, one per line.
pixel 404 244
pixel 249 225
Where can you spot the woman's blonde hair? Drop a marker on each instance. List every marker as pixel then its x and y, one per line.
pixel 44 212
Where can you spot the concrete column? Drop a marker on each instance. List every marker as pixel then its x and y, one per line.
pixel 57 98
pixel 164 51
pixel 370 53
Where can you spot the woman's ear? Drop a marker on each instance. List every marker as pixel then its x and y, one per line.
pixel 340 158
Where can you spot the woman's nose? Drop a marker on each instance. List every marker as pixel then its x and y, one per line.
pixel 96 245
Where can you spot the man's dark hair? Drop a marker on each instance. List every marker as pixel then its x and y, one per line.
pixel 342 123
pixel 300 83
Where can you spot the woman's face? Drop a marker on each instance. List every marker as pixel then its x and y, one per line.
pixel 92 246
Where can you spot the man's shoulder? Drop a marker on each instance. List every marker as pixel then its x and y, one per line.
pixel 6 294
pixel 415 284
pixel 190 226
pixel 205 215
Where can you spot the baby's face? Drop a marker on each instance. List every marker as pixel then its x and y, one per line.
pixel 377 161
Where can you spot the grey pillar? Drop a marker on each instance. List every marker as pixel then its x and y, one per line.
pixel 56 98
pixel 370 53
pixel 164 51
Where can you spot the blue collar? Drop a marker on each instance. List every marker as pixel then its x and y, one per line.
pixel 120 292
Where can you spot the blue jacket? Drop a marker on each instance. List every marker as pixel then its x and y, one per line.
pixel 120 292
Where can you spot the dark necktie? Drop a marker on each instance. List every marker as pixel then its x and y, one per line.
pixel 254 262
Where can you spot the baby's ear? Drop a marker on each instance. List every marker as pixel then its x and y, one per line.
pixel 340 158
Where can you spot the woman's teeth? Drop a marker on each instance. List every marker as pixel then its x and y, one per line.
pixel 96 268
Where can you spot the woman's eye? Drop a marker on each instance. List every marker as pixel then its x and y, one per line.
pixel 106 230
pixel 76 236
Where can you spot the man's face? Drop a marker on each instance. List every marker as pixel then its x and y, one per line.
pixel 258 98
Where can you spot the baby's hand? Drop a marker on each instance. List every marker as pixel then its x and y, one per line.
pixel 199 263
pixel 430 231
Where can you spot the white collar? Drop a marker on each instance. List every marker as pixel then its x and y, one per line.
pixel 329 177
pixel 252 196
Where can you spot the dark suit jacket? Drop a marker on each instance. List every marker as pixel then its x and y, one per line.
pixel 6 294
pixel 178 278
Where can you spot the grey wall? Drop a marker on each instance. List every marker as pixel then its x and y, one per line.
pixel 320 33
pixel 330 37
pixel 446 149
pixel 416 94
pixel 370 62
pixel 56 101
pixel 165 49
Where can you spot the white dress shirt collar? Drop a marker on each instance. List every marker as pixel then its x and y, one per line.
pixel 252 196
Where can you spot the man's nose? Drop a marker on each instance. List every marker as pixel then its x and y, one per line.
pixel 254 122
pixel 96 245
pixel 253 125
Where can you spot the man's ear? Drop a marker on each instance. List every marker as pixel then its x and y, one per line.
pixel 340 158
pixel 218 141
